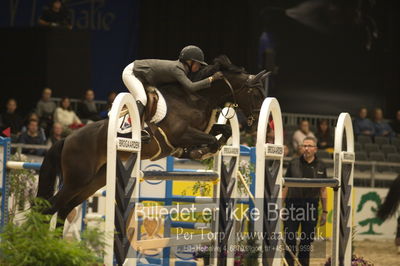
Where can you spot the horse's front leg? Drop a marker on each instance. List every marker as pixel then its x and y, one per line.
pixel 199 144
pixel 225 132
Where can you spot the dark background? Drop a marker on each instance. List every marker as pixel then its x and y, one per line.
pixel 318 73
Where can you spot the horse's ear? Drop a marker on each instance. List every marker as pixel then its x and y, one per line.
pixel 265 75
pixel 258 76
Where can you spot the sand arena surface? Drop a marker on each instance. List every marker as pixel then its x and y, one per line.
pixel 379 252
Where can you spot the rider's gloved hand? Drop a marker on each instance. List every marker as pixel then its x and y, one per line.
pixel 216 76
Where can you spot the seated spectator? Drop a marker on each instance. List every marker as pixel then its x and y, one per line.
pixel 32 136
pixel 66 116
pixel 87 109
pixel 325 139
pixel 395 124
pixel 300 134
pixel 270 135
pixel 56 134
pixel 381 127
pixel 11 119
pixel 110 99
pixel 45 109
pixel 34 116
pixel 362 125
pixel 56 15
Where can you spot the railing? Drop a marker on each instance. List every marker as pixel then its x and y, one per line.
pixel 294 119
pixel 368 178
pixel 74 103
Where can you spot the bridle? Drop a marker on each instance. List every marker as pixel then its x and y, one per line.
pixel 251 118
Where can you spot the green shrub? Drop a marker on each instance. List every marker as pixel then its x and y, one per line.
pixel 32 243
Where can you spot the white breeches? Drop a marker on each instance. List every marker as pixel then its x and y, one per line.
pixel 134 85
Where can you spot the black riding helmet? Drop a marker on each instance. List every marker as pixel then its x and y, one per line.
pixel 192 52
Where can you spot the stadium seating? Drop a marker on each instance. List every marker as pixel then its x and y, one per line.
pixel 394 158
pixel 388 148
pixel 380 140
pixel 379 157
pixel 371 147
pixel 362 156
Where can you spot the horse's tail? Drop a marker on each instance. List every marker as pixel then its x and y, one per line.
pixel 392 201
pixel 49 170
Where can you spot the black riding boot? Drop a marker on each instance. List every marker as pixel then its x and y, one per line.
pixel 145 136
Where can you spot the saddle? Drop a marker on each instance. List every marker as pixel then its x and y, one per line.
pixel 151 106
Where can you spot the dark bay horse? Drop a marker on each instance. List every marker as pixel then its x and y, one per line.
pixel 390 207
pixel 81 157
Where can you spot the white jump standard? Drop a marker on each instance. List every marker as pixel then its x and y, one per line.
pixel 270 181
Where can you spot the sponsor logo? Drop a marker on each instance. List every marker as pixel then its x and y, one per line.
pixel 125 144
pixel 230 151
pixel 348 156
pixel 274 149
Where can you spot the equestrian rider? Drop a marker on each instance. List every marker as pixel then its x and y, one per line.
pixel 155 72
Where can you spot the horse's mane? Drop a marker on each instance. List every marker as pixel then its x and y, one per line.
pixel 220 63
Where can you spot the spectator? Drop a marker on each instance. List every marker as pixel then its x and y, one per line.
pixel 32 136
pixel 66 116
pixel 270 135
pixel 56 134
pixel 11 119
pixel 87 109
pixel 110 99
pixel 300 134
pixel 382 128
pixel 34 116
pixel 362 125
pixel 396 124
pixel 56 16
pixel 45 109
pixel 286 151
pixel 305 201
pixel 325 139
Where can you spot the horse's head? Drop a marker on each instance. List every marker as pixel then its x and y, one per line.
pixel 245 90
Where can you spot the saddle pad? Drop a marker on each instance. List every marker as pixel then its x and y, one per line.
pixel 125 121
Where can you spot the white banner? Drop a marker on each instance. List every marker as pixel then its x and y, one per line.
pixel 367 226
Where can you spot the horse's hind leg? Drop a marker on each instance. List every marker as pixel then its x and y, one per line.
pixel 65 194
pixel 69 191
pixel 88 190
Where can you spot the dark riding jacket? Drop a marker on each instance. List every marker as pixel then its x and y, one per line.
pixel 155 72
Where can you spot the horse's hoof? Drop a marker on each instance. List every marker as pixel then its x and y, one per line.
pixel 196 154
pixel 206 156
pixel 145 137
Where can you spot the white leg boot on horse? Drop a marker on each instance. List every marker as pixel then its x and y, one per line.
pixel 145 136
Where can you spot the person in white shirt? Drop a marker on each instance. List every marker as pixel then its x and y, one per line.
pixel 300 134
pixel 65 115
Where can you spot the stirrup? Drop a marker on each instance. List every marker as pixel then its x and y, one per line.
pixel 145 136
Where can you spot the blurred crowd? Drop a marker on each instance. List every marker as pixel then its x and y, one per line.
pixel 50 121
pixel 373 127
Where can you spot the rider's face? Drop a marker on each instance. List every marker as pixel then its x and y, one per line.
pixel 195 66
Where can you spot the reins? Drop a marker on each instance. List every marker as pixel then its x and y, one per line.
pixel 233 105
pixel 250 119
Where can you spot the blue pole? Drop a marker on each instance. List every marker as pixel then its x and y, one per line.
pixel 168 202
pixel 5 147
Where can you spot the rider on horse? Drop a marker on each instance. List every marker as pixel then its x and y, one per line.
pixel 142 74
